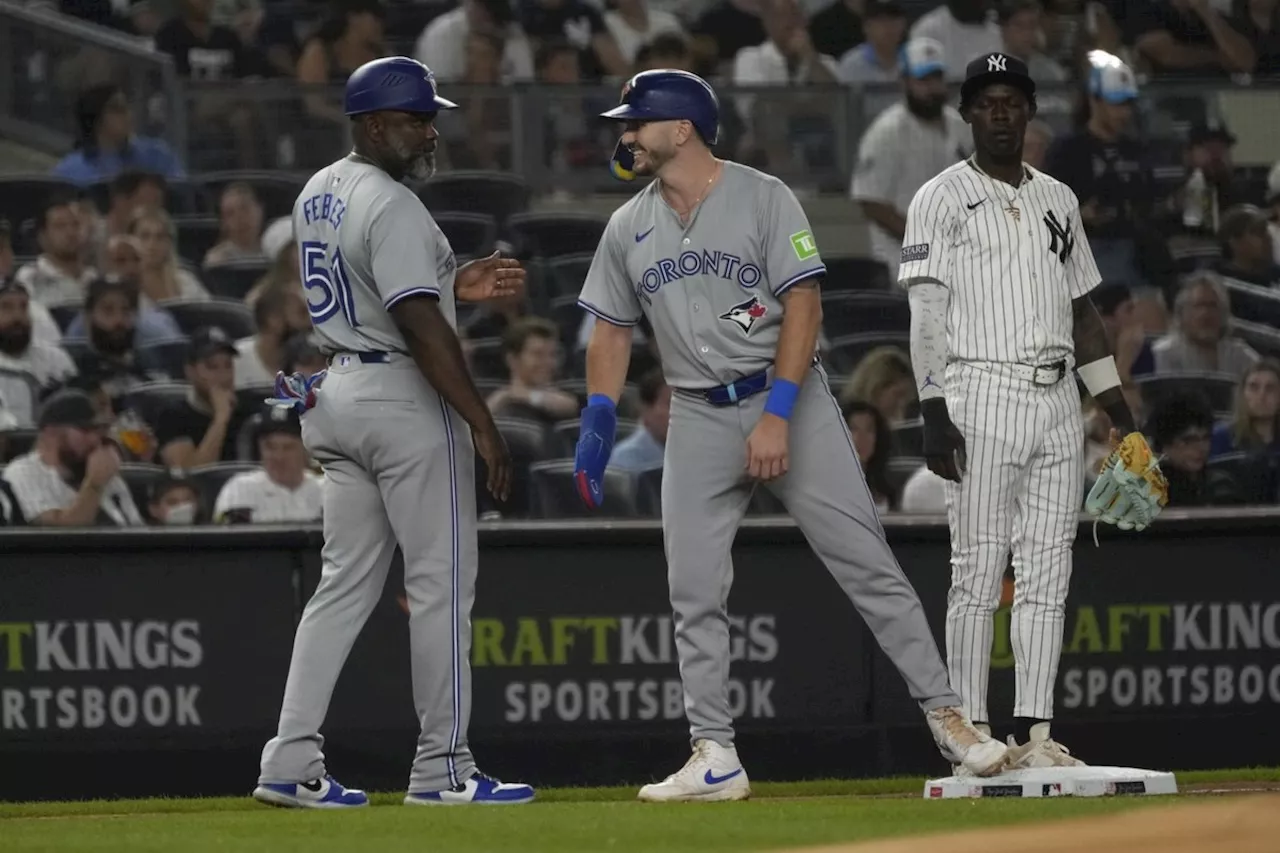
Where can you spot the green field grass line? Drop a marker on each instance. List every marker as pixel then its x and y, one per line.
pixel 912 785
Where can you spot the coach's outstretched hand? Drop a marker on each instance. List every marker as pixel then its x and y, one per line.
pixel 944 450
pixel 599 429
pixel 492 448
pixel 494 277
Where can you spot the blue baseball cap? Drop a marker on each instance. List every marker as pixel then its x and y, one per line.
pixel 921 57
pixel 1110 79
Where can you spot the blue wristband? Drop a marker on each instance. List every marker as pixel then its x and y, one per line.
pixel 782 398
pixel 602 400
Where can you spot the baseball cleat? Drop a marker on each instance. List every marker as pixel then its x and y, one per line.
pixel 712 774
pixel 1040 751
pixel 962 744
pixel 323 793
pixel 479 789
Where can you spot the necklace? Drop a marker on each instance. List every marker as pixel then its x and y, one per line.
pixel 707 188
pixel 1010 208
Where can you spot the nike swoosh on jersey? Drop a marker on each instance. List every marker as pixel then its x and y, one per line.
pixel 712 779
pixel 975 204
pixel 640 237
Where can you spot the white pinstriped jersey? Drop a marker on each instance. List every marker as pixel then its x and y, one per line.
pixel 39 488
pixel 366 242
pixel 1011 276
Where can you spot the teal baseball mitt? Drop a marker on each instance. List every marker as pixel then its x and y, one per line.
pixel 1131 490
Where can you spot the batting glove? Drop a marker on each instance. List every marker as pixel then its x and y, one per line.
pixel 595 444
pixel 295 391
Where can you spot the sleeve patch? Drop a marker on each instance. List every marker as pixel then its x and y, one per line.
pixel 803 244
pixel 918 252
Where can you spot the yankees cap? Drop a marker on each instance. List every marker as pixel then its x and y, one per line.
pixel 991 68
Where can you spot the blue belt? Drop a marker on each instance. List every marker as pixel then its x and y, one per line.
pixel 739 389
pixel 365 357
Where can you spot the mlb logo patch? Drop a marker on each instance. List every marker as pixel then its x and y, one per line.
pixel 918 252
pixel 745 314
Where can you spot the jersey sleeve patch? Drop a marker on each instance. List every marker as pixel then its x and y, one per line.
pixel 803 244
pixel 918 252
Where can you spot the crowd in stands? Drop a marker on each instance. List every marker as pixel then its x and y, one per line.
pixel 146 304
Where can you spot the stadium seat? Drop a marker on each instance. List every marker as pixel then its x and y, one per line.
pixel 564 434
pixel 276 191
pixel 565 312
pixel 232 280
pixel 1252 303
pixel 568 272
pixel 849 313
pixel 149 399
pixel 210 479
pixel 234 318
pixel 649 492
pixel 15 442
pixel 470 234
pixel 528 443
pixel 64 313
pixel 140 477
pixel 554 494
pixel 20 394
pixel 1218 389
pixel 489 386
pixel 844 353
pixel 196 236
pixel 169 356
pixel 1256 476
pixel 22 198
pixel 495 194
pixel 907 438
pixel 845 272
pixel 900 469
pixel 551 235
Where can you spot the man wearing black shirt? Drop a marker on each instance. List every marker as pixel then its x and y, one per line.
pixel 1246 248
pixel 837 29
pixel 203 428
pixel 111 315
pixel 202 50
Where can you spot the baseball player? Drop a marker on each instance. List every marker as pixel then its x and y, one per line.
pixel 721 260
pixel 395 425
pixel 998 272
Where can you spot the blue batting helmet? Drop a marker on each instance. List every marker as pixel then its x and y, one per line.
pixel 665 94
pixel 394 83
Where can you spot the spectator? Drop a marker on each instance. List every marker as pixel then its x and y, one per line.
pixel 241 224
pixel 202 429
pixel 1036 142
pixel 350 35
pixel 964 28
pixel 568 132
pixel 116 335
pixel 127 192
pixel 1210 176
pixel 442 44
pixel 632 24
pixel 884 379
pixel 582 26
pixel 1188 37
pixel 128 430
pixel 1180 433
pixel 1201 340
pixel 1259 22
pixel 1125 333
pixel 160 279
pixel 47 364
pixel 146 326
pixel 279 314
pixel 144 21
pixel 905 146
pixel 667 50
pixel 1108 171
pixel 841 26
pixel 1246 248
pixel 871 441
pixel 106 143
pixel 268 33
pixel 281 251
pixel 878 59
pixel 302 355
pixel 1255 424
pixel 59 274
pixel 71 477
pixel 644 448
pixel 282 490
pixel 727 27
pixel 924 491
pixel 203 50
pixel 479 137
pixel 174 500
pixel 122 258
pixel 786 56
pixel 1023 34
pixel 532 348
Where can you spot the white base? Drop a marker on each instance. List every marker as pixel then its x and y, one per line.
pixel 1054 782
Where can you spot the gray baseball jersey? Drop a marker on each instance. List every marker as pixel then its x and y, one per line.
pixel 711 290
pixel 398 468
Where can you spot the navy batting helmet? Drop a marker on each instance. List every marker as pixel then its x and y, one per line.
pixel 666 94
pixel 394 83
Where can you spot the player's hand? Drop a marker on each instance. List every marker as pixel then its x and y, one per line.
pixel 767 448
pixel 494 277
pixel 223 401
pixel 943 443
pixel 101 465
pixel 492 448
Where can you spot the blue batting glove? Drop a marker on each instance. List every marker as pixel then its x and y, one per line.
pixel 296 391
pixel 595 444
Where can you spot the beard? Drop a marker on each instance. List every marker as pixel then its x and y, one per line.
pixel 113 342
pixel 75 465
pixel 418 165
pixel 654 159
pixel 15 339
pixel 925 108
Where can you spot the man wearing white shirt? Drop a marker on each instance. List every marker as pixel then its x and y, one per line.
pixel 964 28
pixel 71 477
pixel 282 490
pixel 442 46
pixel 924 491
pixel 59 274
pixel 876 60
pixel 905 147
pixel 632 24
pixel 279 314
pixel 46 364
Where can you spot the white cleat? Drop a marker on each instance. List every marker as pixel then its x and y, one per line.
pixel 712 774
pixel 1040 751
pixel 962 744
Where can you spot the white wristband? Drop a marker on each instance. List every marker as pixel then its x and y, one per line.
pixel 1099 376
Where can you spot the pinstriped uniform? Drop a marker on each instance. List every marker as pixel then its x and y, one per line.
pixel 398 467
pixel 1011 280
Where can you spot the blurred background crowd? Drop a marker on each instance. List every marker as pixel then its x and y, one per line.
pixel 152 150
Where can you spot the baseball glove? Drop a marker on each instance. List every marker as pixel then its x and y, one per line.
pixel 1131 490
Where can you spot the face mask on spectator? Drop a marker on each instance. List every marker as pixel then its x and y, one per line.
pixel 183 513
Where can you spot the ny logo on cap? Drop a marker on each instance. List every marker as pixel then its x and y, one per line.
pixel 995 62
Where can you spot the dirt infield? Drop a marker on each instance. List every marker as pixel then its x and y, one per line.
pixel 1237 824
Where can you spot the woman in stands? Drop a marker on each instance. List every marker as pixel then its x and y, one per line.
pixel 1255 425
pixel 159 276
pixel 884 379
pixel 871 439
pixel 106 144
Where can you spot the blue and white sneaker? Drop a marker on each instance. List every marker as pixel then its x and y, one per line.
pixel 323 793
pixel 479 788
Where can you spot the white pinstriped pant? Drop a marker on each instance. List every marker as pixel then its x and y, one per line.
pixel 1022 492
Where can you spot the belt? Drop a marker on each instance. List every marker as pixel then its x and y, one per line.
pixel 1037 374
pixel 739 389
pixel 368 357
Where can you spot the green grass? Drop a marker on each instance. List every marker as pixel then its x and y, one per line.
pixel 567 819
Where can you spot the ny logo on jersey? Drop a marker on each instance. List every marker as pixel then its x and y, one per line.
pixel 745 314
pixel 1061 242
pixel 995 62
